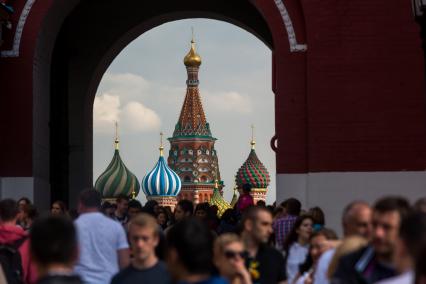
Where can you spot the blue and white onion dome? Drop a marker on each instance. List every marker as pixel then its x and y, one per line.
pixel 161 180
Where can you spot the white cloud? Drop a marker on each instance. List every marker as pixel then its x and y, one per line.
pixel 128 86
pixel 106 111
pixel 229 102
pixel 136 117
pixel 133 117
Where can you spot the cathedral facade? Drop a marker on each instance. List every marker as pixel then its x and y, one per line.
pixel 192 154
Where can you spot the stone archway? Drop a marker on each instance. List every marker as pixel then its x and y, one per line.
pixel 84 49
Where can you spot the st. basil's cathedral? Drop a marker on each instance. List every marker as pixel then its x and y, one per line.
pixel 192 168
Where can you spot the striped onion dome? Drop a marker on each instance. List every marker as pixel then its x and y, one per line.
pixel 218 200
pixel 252 172
pixel 117 179
pixel 234 198
pixel 161 180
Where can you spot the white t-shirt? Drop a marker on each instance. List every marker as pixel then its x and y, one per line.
pixel 99 239
pixel 296 256
pixel 324 261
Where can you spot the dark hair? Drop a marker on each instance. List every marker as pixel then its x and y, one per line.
pixel 421 266
pixel 8 209
pixel 246 188
pixel 193 242
pixel 31 211
pixel 329 234
pixel 293 206
pixel 292 236
pixel 420 204
pixel 26 199
pixel 121 197
pixel 90 198
pixel 149 207
pixel 53 240
pixel 393 203
pixel 186 205
pixel 413 232
pixel 135 204
pixel 317 215
pixel 61 204
pixel 261 203
pixel 203 207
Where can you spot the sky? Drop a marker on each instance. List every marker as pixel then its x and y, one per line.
pixel 144 88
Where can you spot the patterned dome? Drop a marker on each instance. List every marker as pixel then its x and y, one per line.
pixel 117 179
pixel 161 180
pixel 218 200
pixel 253 172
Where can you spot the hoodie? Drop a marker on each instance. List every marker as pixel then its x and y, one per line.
pixel 10 234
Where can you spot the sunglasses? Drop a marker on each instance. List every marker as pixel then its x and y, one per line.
pixel 233 254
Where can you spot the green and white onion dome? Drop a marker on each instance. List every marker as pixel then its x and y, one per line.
pixel 117 179
pixel 161 180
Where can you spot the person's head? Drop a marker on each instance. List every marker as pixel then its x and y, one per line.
pixel 228 254
pixel 89 200
pixel 246 188
pixel 162 217
pixel 420 205
pixel 319 243
pixel 183 209
pixel 8 211
pixel 356 219
pixel 22 202
pixel 30 213
pixel 58 208
pixel 134 208
pixel 53 240
pixel 202 211
pixel 412 236
pixel 143 236
pixel 292 206
pixel 318 217
pixel 388 213
pixel 257 224
pixel 421 267
pixel 108 209
pixel 301 231
pixel 190 248
pixel 261 203
pixel 122 202
pixel 151 207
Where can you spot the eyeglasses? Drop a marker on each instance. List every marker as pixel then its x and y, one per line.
pixel 233 254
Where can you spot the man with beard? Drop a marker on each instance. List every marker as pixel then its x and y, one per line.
pixel 265 263
pixel 376 261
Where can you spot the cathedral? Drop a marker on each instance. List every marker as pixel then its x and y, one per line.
pixel 192 154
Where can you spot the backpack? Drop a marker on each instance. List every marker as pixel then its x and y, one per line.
pixel 11 261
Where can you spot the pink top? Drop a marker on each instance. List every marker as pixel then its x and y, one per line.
pixel 244 201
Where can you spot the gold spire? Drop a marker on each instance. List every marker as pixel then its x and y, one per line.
pixel 161 144
pixel 192 59
pixel 252 143
pixel 116 141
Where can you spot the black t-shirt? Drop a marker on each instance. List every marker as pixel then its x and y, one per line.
pixel 60 279
pixel 157 274
pixel 267 267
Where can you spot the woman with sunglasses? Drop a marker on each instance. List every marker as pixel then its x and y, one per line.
pixel 229 259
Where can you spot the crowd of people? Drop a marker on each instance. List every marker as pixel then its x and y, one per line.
pixel 127 242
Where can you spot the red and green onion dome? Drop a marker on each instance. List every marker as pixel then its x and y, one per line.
pixel 253 172
pixel 218 200
pixel 117 179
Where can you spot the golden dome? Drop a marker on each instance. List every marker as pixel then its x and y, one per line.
pixel 192 58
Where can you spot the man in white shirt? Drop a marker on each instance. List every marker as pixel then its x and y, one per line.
pixel 103 244
pixel 356 220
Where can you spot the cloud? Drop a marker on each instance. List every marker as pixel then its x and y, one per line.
pixel 229 102
pixel 128 86
pixel 138 118
pixel 133 117
pixel 106 111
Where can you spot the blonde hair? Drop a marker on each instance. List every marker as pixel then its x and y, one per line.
pixel 348 246
pixel 223 240
pixel 145 221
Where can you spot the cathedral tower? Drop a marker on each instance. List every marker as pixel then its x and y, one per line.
pixel 192 154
